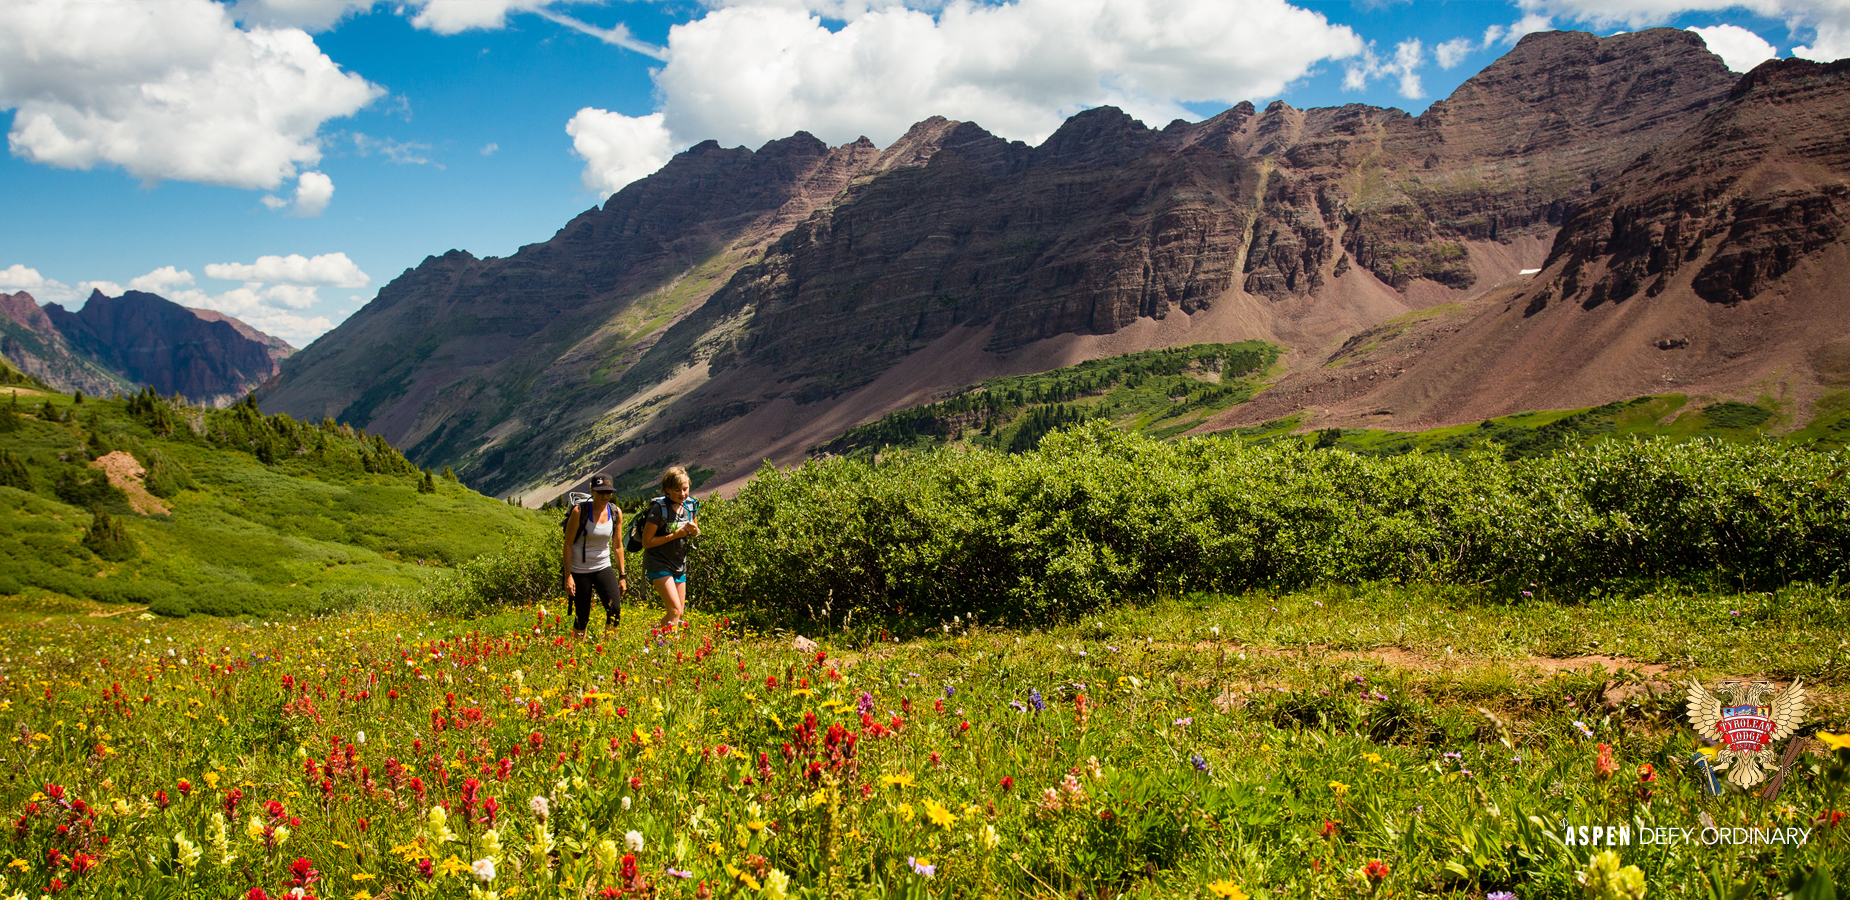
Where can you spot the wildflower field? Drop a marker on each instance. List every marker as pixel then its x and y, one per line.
pixel 1381 740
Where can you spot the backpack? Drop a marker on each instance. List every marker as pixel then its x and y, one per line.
pixel 634 543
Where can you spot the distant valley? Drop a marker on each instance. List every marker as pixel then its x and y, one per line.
pixel 1587 220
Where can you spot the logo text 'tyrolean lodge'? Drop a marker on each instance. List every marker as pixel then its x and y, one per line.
pixel 1746 725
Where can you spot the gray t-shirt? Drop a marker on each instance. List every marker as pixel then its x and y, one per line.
pixel 672 556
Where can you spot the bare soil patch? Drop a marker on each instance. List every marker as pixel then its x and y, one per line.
pixel 126 474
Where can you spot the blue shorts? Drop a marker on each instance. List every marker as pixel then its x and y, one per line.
pixel 678 579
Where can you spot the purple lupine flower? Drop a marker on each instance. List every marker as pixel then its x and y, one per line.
pixel 1034 699
pixel 1196 760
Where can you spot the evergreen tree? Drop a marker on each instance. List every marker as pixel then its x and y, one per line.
pixel 13 472
pixel 428 485
pixel 109 538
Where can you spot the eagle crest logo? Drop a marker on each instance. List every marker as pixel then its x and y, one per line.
pixel 1746 724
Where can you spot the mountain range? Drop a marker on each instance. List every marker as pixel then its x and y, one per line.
pixel 118 344
pixel 1587 219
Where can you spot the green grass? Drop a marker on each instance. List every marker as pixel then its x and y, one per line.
pixel 244 538
pixel 1527 435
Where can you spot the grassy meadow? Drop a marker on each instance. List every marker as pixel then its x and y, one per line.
pixel 330 514
pixel 1377 740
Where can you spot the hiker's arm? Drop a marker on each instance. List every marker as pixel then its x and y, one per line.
pixel 649 538
pixel 617 550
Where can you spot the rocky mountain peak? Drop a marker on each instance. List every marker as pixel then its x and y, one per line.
pixel 1101 137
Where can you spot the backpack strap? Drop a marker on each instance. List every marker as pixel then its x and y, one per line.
pixel 584 527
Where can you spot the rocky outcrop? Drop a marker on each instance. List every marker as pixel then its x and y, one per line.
pixel 1728 207
pixel 1711 266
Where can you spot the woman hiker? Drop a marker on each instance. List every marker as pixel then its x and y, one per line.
pixel 589 534
pixel 669 522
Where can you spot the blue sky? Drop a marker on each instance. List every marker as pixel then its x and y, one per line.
pixel 282 160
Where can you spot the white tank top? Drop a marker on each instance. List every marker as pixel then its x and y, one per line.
pixel 592 552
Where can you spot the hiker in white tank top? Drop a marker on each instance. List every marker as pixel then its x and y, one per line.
pixel 590 532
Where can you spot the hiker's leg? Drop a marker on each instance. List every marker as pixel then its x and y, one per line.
pixel 610 596
pixel 671 594
pixel 583 583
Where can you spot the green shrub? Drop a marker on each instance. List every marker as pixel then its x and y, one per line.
pixel 13 472
pixel 108 538
pixel 85 487
pixel 165 477
pixel 521 573
pixel 1096 515
pixel 1734 414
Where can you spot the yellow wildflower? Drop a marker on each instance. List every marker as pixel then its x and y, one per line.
pixel 1227 889
pixel 1338 788
pixel 1835 741
pixel 903 779
pixel 939 816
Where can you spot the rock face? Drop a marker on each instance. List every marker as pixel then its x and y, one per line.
pixel 1711 265
pixel 120 343
pixel 1729 206
pixel 723 305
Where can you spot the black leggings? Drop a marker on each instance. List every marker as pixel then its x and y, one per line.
pixel 605 582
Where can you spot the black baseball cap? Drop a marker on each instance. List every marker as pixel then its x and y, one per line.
pixel 601 484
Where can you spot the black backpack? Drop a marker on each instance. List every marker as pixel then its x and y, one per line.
pixel 634 543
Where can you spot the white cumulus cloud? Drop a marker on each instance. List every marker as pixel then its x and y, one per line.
pixel 17 277
pixel 1452 53
pixel 1403 66
pixel 167 90
pixel 312 192
pixel 328 269
pixel 1739 48
pixel 20 278
pixel 457 16
pixel 163 281
pixel 744 75
pixel 618 149
pixel 748 73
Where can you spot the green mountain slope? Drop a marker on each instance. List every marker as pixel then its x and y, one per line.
pixel 1528 435
pixel 241 514
pixel 1158 392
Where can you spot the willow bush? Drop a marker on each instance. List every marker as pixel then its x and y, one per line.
pixel 1097 515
